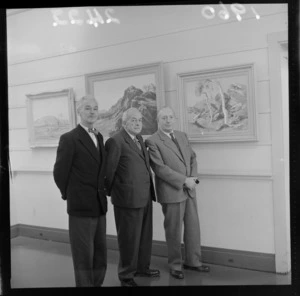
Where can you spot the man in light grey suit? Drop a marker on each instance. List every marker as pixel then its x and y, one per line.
pixel 174 164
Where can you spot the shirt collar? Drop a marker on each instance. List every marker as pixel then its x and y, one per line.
pixel 130 135
pixel 168 134
pixel 86 128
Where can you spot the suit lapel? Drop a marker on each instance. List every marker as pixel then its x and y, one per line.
pixel 101 151
pixel 101 146
pixel 88 143
pixel 170 144
pixel 132 145
pixel 145 152
pixel 182 146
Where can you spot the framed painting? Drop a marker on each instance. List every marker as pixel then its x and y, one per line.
pixel 218 105
pixel 50 114
pixel 117 90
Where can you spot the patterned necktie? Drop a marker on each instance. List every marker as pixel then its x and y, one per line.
pixel 176 143
pixel 95 132
pixel 136 141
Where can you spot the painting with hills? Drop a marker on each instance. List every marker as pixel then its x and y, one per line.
pixel 118 90
pixel 50 114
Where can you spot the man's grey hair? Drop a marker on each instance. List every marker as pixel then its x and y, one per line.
pixel 82 101
pixel 162 110
pixel 128 114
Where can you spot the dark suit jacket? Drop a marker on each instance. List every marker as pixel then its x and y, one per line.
pixel 128 176
pixel 79 173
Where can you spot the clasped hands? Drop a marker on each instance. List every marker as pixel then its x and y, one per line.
pixel 191 182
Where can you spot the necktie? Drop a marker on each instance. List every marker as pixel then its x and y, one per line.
pixel 95 132
pixel 137 143
pixel 176 143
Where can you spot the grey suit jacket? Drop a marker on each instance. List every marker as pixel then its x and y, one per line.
pixel 170 168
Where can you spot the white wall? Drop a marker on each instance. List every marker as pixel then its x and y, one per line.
pixel 235 194
pixel 285 114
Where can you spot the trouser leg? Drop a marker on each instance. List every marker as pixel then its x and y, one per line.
pixel 191 238
pixel 100 252
pixel 129 225
pixel 82 247
pixel 145 247
pixel 173 213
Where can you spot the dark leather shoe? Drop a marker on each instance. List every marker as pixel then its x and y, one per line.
pixel 177 274
pixel 128 283
pixel 202 268
pixel 149 273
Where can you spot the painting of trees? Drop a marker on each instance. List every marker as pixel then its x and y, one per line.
pixel 218 105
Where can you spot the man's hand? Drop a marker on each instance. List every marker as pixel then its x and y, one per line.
pixel 190 182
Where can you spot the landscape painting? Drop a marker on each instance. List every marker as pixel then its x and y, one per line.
pixel 117 90
pixel 218 105
pixel 50 114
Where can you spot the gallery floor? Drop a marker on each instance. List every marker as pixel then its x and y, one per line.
pixel 39 263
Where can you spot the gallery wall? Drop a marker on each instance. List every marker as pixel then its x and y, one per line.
pixel 235 198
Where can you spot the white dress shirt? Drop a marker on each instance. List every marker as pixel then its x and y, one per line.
pixel 131 136
pixel 134 138
pixel 92 135
pixel 168 134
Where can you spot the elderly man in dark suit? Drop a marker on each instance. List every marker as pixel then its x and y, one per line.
pixel 129 183
pixel 79 175
pixel 174 164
